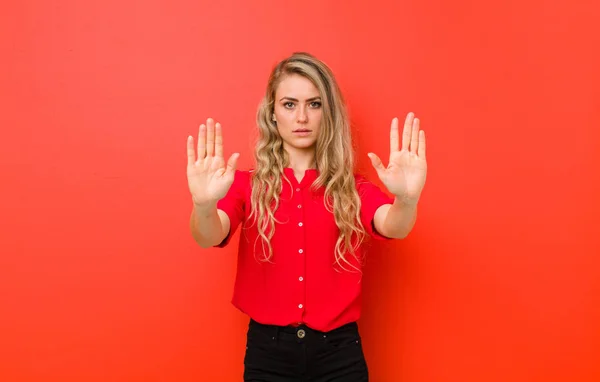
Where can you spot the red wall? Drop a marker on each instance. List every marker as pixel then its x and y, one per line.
pixel 100 279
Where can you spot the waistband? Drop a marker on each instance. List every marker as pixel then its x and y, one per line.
pixel 293 329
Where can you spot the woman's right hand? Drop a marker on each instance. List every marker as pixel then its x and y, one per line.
pixel 209 178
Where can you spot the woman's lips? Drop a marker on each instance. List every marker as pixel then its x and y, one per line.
pixel 302 132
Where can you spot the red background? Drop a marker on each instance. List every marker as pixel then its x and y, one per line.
pixel 100 279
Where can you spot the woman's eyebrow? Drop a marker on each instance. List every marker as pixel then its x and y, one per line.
pixel 295 100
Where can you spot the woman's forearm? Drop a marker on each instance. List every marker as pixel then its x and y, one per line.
pixel 400 219
pixel 206 225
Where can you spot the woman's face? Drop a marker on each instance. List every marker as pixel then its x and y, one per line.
pixel 298 113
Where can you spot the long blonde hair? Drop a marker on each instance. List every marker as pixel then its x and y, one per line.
pixel 334 159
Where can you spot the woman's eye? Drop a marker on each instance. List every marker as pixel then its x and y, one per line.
pixel 315 104
pixel 289 105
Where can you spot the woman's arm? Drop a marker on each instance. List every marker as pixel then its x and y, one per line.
pixel 395 220
pixel 209 226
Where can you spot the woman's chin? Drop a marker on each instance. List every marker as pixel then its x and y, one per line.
pixel 299 145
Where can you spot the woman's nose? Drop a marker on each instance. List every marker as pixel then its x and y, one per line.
pixel 302 115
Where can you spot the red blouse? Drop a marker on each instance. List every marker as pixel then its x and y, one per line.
pixel 301 284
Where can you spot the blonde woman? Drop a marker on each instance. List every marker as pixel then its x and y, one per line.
pixel 304 215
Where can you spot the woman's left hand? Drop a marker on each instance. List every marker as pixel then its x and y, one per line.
pixel 406 171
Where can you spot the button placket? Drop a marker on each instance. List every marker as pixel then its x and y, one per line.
pixel 301 235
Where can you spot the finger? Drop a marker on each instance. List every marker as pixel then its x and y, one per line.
pixel 422 145
pixel 218 140
pixel 376 162
pixel 407 131
pixel 414 141
pixel 190 151
pixel 210 137
pixel 394 138
pixel 232 162
pixel 201 142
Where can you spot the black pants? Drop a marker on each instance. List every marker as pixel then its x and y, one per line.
pixel 294 354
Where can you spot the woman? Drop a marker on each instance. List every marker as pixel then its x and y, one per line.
pixel 304 216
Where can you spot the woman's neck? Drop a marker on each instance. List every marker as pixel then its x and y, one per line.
pixel 300 161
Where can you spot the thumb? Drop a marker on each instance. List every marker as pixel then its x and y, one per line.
pixel 232 162
pixel 376 162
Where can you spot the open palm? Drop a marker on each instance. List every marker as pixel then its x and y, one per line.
pixel 405 174
pixel 209 178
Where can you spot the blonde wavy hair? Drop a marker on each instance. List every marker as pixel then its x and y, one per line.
pixel 334 160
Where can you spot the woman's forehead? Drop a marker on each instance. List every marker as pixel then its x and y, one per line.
pixel 296 86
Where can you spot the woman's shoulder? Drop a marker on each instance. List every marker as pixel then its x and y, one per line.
pixel 246 175
pixel 360 178
pixel 243 174
pixel 365 185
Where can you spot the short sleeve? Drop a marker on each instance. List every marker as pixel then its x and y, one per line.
pixel 234 203
pixel 371 198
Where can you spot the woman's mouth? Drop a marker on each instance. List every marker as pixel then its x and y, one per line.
pixel 302 132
